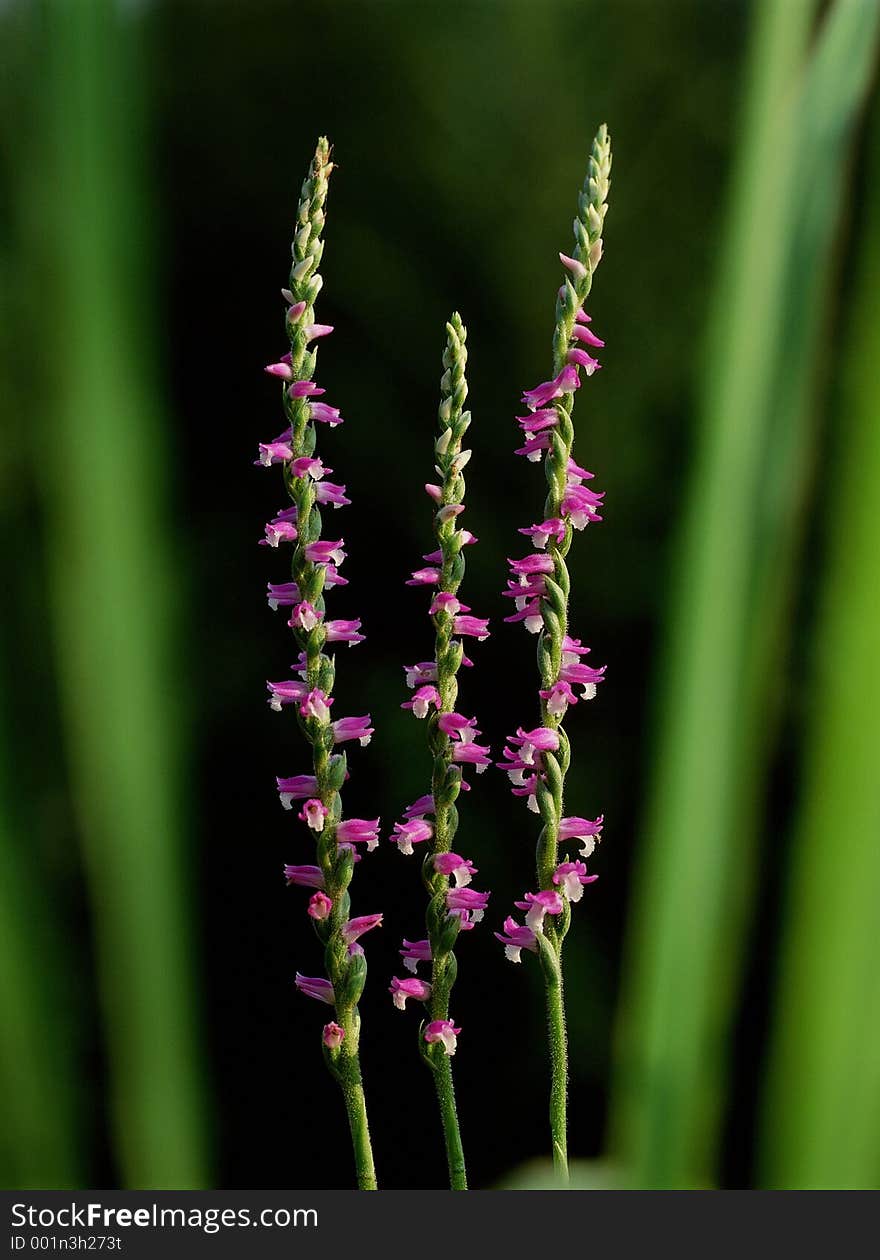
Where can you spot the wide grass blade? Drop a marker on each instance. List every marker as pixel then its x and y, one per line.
pixel 113 581
pixel 735 571
pixel 822 1112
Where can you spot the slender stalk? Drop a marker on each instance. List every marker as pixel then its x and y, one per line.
pixel 313 567
pixel 446 1098
pixel 554 631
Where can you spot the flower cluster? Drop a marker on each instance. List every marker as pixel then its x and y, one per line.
pixel 537 760
pixel 315 568
pixel 454 743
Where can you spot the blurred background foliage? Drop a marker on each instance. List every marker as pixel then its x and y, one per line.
pixel 724 999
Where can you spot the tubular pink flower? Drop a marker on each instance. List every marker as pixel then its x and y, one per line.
pixel 424 577
pixel 316 987
pixel 359 831
pixel 327 492
pixel 418 809
pixel 444 602
pixel 304 389
pixel 281 369
pixel 471 754
pixel 313 814
pixel 586 336
pixel 584 360
pixel 316 704
pixel 588 831
pixel 571 878
pixel 461 869
pixel 305 616
pixel 274 452
pixel 282 594
pixel 558 698
pixel 468 899
pixel 324 414
pixel 414 952
pixel 588 678
pixel 353 728
pixel 515 938
pixel 444 1031
pixel 423 672
pixel 290 692
pixel 567 381
pixel 406 834
pixel 333 1036
pixel 344 632
pixel 538 905
pixel 411 987
pixel 296 309
pixel 476 627
pixel 577 269
pixel 434 492
pixel 357 927
pixel 532 563
pixel 449 511
pixel 320 906
pixel 458 727
pixel 279 531
pixel 535 447
pixel 304 876
pixel 422 701
pixel 530 614
pixel 325 552
pixel 309 466
pixel 537 421
pixel 313 331
pixel 542 533
pixel 296 788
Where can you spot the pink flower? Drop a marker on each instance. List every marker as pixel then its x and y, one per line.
pixel 443 1030
pixel 567 381
pixel 458 727
pixel 418 809
pixel 320 906
pixel 468 899
pixel 414 952
pixel 357 927
pixel 577 269
pixel 400 990
pixel 324 414
pixel 327 492
pixel 358 831
pixel 558 698
pixel 282 594
pixel 333 1036
pixel 344 632
pixel 316 987
pixel 537 421
pixel 406 834
pixel 469 753
pixel 290 692
pixel 309 466
pixel 474 626
pixel 305 616
pixel 584 360
pixel 423 672
pixel 325 552
pixel 586 336
pixel 515 938
pixel 443 601
pixel 353 728
pixel 541 739
pixel 281 369
pixel 313 814
pixel 424 577
pixel 304 876
pixel 276 451
pixel 316 704
pixel 296 788
pixel 422 701
pixel 541 534
pixel 534 447
pixel 304 389
pixel 312 331
pixel 532 563
pixel 584 829
pixel 537 905
pixel 571 878
pixel 461 869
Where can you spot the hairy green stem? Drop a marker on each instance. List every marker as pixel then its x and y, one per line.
pixel 345 967
pixel 587 252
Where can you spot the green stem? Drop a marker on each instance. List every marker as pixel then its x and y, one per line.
pixel 351 1084
pixel 558 1042
pixel 442 1071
